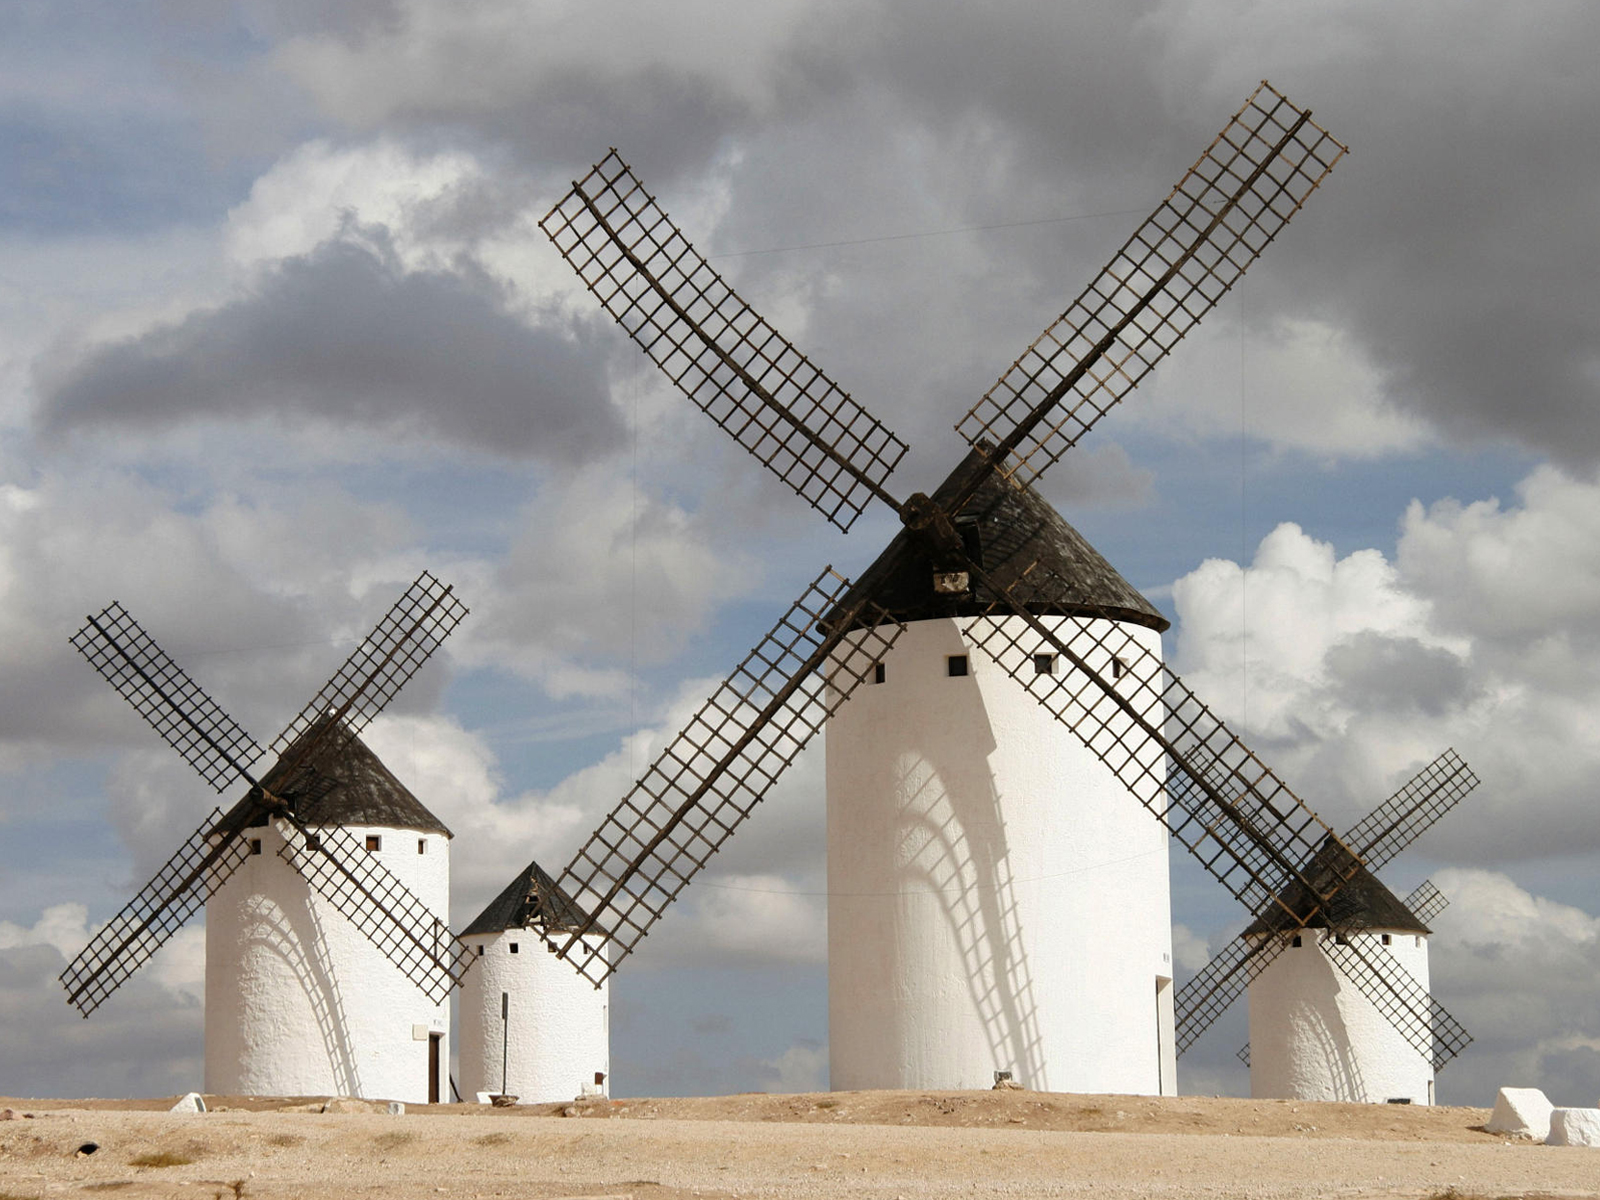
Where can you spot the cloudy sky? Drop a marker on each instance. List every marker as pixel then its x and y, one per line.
pixel 278 330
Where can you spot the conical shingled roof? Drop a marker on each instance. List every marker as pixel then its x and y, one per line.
pixel 347 785
pixel 1363 902
pixel 1008 528
pixel 530 901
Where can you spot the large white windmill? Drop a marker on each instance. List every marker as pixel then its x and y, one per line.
pixel 329 959
pixel 968 824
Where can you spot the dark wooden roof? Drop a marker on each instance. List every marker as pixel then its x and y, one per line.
pixel 530 901
pixel 1007 528
pixel 1363 901
pixel 347 785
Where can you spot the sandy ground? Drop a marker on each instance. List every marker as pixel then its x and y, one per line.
pixel 846 1144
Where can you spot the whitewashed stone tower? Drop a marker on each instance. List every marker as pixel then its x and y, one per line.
pixel 1317 1035
pixel 299 1002
pixel 531 1025
pixel 998 901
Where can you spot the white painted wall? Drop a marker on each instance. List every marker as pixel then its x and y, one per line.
pixel 997 901
pixel 558 1035
pixel 299 1002
pixel 1315 1036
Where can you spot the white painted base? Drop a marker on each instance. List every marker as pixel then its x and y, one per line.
pixel 558 1037
pixel 300 1003
pixel 997 900
pixel 1315 1036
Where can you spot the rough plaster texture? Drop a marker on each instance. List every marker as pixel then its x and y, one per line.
pixel 299 1002
pixel 1574 1127
pixel 1314 1035
pixel 558 1035
pixel 1521 1112
pixel 997 901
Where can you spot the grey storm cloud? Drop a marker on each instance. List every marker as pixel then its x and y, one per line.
pixel 345 334
pixel 1454 248
pixel 1397 674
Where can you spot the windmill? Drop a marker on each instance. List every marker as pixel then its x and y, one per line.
pixel 1065 644
pixel 315 955
pixel 1326 1024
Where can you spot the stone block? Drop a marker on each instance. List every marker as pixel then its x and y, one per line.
pixel 1521 1112
pixel 1574 1127
pixel 190 1103
pixel 396 1109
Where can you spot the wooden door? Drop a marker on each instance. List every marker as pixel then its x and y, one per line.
pixel 435 1041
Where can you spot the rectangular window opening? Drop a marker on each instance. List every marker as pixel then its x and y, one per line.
pixel 480 949
pixel 422 845
pixel 513 947
pixel 1298 941
pixel 1044 664
pixel 255 845
pixel 1386 939
pixel 374 843
pixel 879 672
pixel 956 665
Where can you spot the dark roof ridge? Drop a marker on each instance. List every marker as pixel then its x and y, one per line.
pixel 1363 902
pixel 533 900
pixel 1012 531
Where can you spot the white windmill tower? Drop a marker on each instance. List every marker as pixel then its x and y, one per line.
pixel 997 903
pixel 531 1026
pixel 1340 1007
pixel 329 960
pixel 1077 640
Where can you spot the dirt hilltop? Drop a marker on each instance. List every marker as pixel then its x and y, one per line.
pixel 866 1144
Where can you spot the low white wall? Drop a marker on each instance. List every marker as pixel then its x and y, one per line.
pixel 997 900
pixel 558 1035
pixel 1314 1035
pixel 299 1002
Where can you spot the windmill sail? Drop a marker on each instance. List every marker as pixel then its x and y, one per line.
pixel 707 781
pixel 717 349
pixel 206 860
pixel 171 703
pixel 1185 257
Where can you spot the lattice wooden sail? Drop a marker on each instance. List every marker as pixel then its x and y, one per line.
pixel 706 782
pixel 1186 256
pixel 718 350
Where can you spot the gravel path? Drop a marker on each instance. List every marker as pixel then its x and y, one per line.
pixel 491 1154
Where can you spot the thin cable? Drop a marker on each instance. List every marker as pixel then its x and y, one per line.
pixel 633 587
pixel 1244 567
pixel 927 233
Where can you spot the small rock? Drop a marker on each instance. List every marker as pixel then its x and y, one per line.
pixel 570 1110
pixel 87 1149
pixel 7 1115
pixel 1521 1112
pixel 396 1109
pixel 349 1104
pixel 1006 1085
pixel 1574 1127
pixel 191 1102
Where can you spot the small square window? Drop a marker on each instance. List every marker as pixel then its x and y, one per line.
pixel 1044 664
pixel 374 842
pixel 1386 939
pixel 422 845
pixel 255 845
pixel 956 665
pixel 879 672
pixel 1298 941
pixel 480 949
pixel 513 947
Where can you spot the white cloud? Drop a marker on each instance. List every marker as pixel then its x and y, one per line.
pixel 1350 673
pixel 1518 970
pixel 803 1067
pixel 63 926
